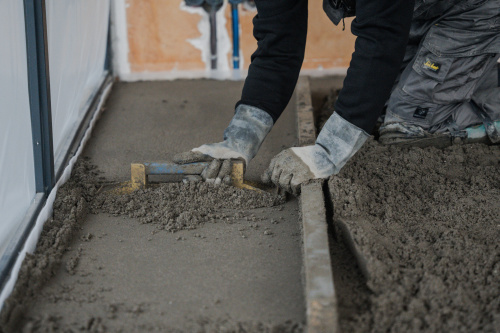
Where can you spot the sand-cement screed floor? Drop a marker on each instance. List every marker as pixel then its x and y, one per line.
pixel 180 258
pixel 425 225
pixel 413 233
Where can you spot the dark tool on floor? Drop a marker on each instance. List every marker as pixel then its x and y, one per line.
pixel 141 171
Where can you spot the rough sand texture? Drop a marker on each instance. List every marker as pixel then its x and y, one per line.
pixel 427 224
pixel 114 263
pixel 353 296
pixel 201 325
pixel 70 209
pixel 179 206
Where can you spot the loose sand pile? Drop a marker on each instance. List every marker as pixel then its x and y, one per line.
pixel 426 225
pixel 178 206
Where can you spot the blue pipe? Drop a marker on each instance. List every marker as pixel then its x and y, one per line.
pixel 236 36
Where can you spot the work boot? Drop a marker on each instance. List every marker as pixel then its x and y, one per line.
pixel 488 133
pixel 242 140
pixel 405 134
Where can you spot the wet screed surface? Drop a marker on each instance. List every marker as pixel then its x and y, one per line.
pixel 426 223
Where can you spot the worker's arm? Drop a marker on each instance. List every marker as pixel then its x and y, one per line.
pixel 382 29
pixel 280 28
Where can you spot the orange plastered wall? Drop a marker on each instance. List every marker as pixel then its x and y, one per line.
pixel 159 33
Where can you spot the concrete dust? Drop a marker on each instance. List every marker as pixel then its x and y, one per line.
pixel 425 224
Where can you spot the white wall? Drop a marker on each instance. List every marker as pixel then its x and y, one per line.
pixel 77 37
pixel 17 177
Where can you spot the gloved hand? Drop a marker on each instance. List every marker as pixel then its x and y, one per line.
pixel 337 142
pixel 242 140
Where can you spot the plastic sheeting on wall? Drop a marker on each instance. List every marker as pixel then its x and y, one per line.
pixel 17 175
pixel 77 37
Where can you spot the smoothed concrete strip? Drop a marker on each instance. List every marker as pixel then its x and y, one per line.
pixel 322 314
pixel 320 294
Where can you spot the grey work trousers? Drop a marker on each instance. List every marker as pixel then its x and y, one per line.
pixel 449 62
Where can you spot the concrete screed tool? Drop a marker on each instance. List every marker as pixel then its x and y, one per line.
pixel 141 171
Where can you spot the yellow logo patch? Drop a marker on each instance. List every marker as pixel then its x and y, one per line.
pixel 432 65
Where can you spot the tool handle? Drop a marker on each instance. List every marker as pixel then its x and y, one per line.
pixel 169 168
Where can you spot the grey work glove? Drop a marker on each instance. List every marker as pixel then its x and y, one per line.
pixel 337 142
pixel 242 140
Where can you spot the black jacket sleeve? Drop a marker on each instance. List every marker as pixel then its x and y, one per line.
pixel 382 28
pixel 280 28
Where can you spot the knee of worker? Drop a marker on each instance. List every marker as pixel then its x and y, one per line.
pixel 464 115
pixel 437 118
pixel 488 100
pixel 459 117
pixel 433 90
pixel 405 108
pixel 433 118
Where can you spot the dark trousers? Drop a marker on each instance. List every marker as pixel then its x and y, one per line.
pixel 280 27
